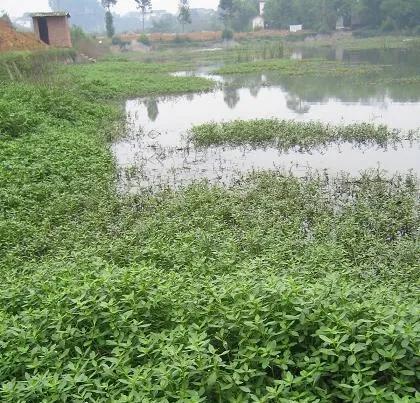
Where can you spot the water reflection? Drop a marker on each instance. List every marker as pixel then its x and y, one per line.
pixel 152 109
pixel 231 96
pixel 297 104
pixel 158 150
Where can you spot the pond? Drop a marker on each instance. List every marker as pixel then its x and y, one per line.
pixel 158 152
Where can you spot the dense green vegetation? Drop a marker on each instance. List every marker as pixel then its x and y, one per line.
pixel 276 289
pixel 175 57
pixel 300 67
pixel 116 78
pixel 384 15
pixel 372 43
pixel 24 64
pixel 287 134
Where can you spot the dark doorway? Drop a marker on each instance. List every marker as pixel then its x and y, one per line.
pixel 43 30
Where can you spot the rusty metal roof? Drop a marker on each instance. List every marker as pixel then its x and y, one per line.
pixel 51 14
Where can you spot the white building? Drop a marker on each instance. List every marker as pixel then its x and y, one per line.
pixel 258 22
pixel 295 28
pixel 339 26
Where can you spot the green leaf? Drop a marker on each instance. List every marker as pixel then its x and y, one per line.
pixel 212 379
pixel 351 360
pixel 384 366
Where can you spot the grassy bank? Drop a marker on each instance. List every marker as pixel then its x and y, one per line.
pixel 300 67
pixel 20 65
pixel 277 289
pixel 287 134
pixel 354 43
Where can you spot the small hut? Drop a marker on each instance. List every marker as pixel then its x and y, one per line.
pixel 53 28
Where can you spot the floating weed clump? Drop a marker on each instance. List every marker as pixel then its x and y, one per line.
pixel 288 134
pixel 301 67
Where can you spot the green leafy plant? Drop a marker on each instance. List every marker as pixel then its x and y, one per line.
pixel 287 134
pixel 277 288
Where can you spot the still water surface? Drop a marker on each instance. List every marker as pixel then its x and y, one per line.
pixel 158 152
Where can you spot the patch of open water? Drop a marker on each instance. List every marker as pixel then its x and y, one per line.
pixel 157 150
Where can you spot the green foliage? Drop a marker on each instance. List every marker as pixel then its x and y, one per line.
pixel 184 13
pixel 181 39
pixel 288 134
pixel 144 39
pixel 388 25
pixel 227 34
pixel 276 289
pixel 24 108
pixel 114 79
pixel 323 14
pixel 300 67
pixel 21 65
pixel 367 39
pixel 143 6
pixel 243 12
pixel 77 34
pixel 109 24
pixel 225 9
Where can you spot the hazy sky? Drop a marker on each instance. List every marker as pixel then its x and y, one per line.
pixel 17 7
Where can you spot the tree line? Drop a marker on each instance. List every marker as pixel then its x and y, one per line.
pixel 85 10
pixel 317 15
pixel 386 15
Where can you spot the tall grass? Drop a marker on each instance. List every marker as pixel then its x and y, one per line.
pixel 22 65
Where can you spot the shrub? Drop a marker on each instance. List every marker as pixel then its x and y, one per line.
pixel 227 34
pixel 180 39
pixel 77 34
pixel 144 39
pixel 389 25
pixel 122 44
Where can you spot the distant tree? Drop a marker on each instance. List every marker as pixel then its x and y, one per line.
pixel 5 17
pixel 242 13
pixel 109 21
pixel 144 5
pixel 323 14
pixel 109 24
pixel 226 12
pixel 166 23
pixel 184 13
pixel 87 14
